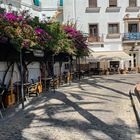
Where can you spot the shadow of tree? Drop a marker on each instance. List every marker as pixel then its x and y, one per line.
pixel 92 94
pixel 114 131
pixel 14 126
pixel 106 87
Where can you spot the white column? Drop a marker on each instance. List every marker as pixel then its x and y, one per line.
pixel 121 64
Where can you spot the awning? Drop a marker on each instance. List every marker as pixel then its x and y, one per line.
pixel 111 56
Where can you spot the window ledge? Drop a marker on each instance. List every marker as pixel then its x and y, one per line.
pixel 113 9
pixel 113 36
pixel 132 9
pixel 93 10
pixel 95 45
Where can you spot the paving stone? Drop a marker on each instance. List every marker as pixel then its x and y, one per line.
pixel 98 109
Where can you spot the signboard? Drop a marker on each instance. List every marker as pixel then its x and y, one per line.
pixel 38 53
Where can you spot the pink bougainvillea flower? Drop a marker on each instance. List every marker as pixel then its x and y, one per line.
pixel 20 18
pixel 39 31
pixel 10 16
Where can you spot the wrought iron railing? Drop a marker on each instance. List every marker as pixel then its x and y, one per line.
pixel 131 36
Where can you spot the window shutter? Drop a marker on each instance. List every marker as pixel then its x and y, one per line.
pixel 36 2
pixel 61 2
pixel 92 3
pixel 113 3
pixel 132 3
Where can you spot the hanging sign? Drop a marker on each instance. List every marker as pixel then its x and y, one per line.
pixel 38 53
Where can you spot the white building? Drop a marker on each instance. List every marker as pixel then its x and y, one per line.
pixel 113 27
pixel 44 9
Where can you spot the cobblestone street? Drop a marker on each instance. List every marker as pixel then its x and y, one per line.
pixel 99 108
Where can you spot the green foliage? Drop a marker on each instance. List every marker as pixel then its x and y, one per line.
pixel 27 32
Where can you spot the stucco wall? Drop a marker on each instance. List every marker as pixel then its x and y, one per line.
pixel 48 7
pixel 75 11
pixel 34 71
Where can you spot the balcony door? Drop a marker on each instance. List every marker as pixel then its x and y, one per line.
pixel 132 27
pixel 93 33
pixel 93 29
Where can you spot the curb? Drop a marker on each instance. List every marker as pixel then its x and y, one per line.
pixel 136 105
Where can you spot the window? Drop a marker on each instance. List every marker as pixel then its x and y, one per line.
pixel 112 3
pixel 93 29
pixel 132 27
pixel 113 28
pixel 92 3
pixel 132 3
pixel 36 2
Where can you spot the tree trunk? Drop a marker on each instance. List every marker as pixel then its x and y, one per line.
pixel 60 75
pixel 3 81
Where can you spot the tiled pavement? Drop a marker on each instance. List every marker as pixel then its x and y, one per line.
pixel 99 108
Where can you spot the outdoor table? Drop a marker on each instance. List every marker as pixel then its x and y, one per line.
pixel 18 89
pixel 46 82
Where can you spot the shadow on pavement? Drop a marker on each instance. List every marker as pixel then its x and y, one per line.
pixel 114 131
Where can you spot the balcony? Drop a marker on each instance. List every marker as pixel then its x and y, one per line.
pixel 95 39
pixel 131 37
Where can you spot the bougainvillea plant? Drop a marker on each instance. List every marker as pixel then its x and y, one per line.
pixel 25 31
pixel 78 39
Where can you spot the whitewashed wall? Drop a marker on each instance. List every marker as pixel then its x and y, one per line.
pixel 49 7
pixel 74 10
pixel 34 71
pixel 16 75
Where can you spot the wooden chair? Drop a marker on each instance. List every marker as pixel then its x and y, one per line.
pixel 32 89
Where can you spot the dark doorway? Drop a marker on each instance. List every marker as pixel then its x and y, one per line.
pixel 114 65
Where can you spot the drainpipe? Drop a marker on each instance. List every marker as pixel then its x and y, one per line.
pixel 74 11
